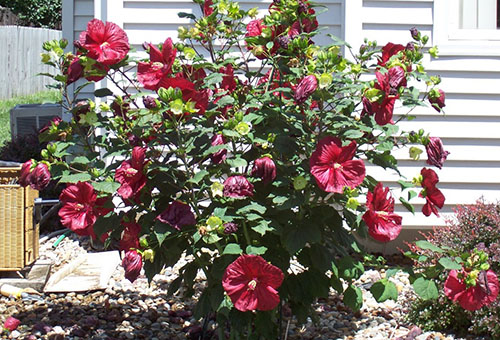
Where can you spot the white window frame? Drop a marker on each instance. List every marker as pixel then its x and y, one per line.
pixel 455 41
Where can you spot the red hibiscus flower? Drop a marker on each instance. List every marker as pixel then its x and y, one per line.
pixel 383 224
pixel 265 169
pixel 132 263
pixel 159 66
pixel 472 298
pixel 333 167
pixel 389 84
pixel 219 156
pixel 178 215
pixel 237 187
pixel 251 283
pixel 80 208
pixel 11 323
pixel 228 80
pixel 189 93
pixel 433 196
pixel 105 42
pixel 130 174
pixel 130 236
pixel 437 101
pixel 388 51
pixel 305 88
pixel 436 155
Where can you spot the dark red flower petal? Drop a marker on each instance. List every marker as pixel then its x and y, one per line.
pixel 388 51
pixel 436 155
pixel 40 177
pixel 305 88
pixel 177 215
pixel 252 283
pixel 132 263
pixel 237 187
pixel 265 169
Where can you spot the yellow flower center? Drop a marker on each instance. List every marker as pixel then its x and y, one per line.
pixel 252 284
pixel 131 172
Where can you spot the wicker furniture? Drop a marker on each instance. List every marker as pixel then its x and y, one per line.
pixel 18 235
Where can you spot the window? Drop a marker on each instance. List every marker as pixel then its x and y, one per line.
pixel 467 27
pixel 479 14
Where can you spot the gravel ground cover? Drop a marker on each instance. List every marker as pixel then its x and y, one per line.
pixel 141 311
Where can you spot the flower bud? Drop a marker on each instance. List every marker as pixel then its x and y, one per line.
pixel 219 156
pixel 437 98
pixel 436 155
pixel 149 255
pixel 11 323
pixel 305 88
pixel 40 177
pixel 299 183
pixel 150 103
pixel 237 187
pixel 415 153
pixel 265 169
pixel 132 263
pixel 25 176
pixel 230 228
pixel 415 34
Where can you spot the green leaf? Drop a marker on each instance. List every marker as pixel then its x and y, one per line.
pixel 391 272
pixel 224 101
pixel 426 245
pixel 161 232
pixel 74 178
pixel 353 298
pixel 350 268
pixel 254 206
pixel 407 205
pixel 426 289
pixel 353 134
pixel 106 187
pixel 411 194
pixel 279 200
pixel 262 228
pixel 211 238
pixel 296 238
pixel 232 249
pixel 186 15
pixel 81 160
pixel 198 176
pixel 405 185
pixel 449 263
pixel 103 92
pixel 236 162
pixel 213 78
pixel 253 250
pixel 384 290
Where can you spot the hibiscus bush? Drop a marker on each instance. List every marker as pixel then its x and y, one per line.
pixel 244 146
pixel 456 272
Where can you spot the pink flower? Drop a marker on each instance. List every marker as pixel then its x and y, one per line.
pixel 438 101
pixel 237 187
pixel 132 263
pixel 436 155
pixel 11 323
pixel 383 224
pixel 219 156
pixel 305 88
pixel 265 169
pixel 333 167
pixel 433 196
pixel 177 215
pixel 130 236
pixel 40 177
pixel 105 42
pixel 130 174
pixel 160 65
pixel 388 51
pixel 472 298
pixel 228 80
pixel 251 283
pixel 80 208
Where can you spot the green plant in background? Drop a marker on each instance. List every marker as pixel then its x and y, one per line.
pixel 472 235
pixel 38 13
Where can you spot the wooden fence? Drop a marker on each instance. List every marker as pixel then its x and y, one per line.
pixel 20 60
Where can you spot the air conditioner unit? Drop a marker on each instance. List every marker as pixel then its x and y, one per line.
pixel 30 118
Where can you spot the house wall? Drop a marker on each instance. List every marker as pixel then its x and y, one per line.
pixel 469 127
